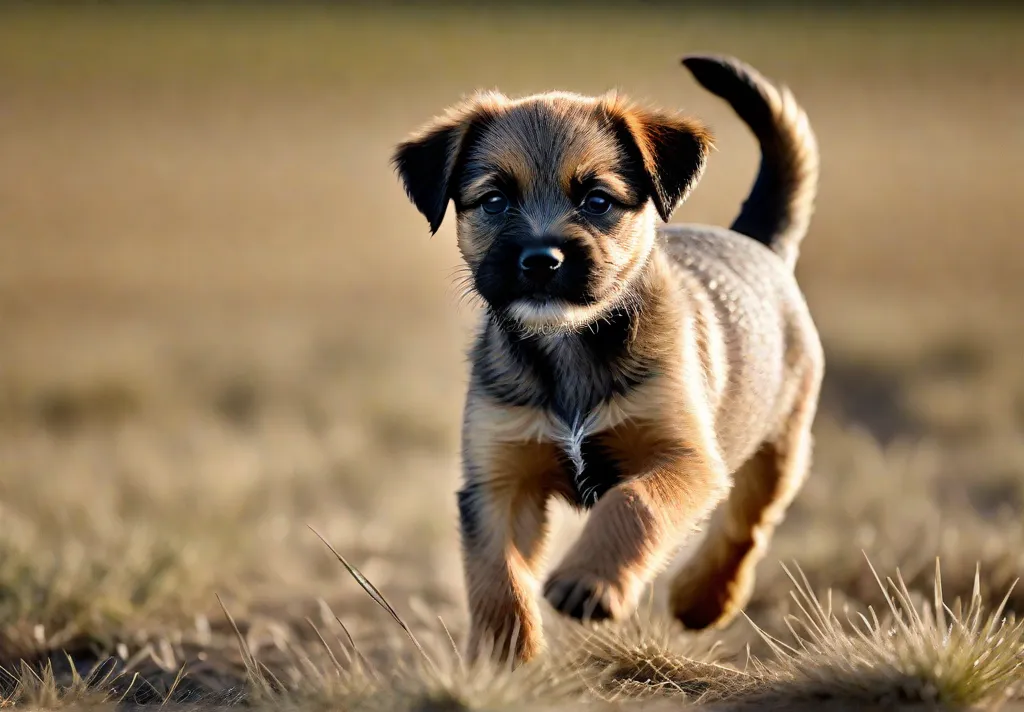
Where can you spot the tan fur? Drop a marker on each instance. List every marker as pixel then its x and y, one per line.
pixel 502 562
pixel 718 580
pixel 689 371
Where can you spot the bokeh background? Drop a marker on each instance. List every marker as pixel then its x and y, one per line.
pixel 221 321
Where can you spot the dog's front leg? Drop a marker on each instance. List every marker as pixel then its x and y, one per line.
pixel 631 534
pixel 503 529
pixel 503 522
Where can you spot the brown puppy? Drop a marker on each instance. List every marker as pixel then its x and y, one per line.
pixel 644 373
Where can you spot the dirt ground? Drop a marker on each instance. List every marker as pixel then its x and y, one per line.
pixel 221 323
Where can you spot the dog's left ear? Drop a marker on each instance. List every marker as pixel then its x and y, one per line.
pixel 427 161
pixel 674 150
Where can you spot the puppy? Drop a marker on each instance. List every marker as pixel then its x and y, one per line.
pixel 646 373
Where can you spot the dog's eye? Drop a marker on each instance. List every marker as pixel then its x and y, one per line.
pixel 494 203
pixel 596 203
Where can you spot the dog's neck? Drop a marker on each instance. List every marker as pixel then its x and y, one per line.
pixel 571 373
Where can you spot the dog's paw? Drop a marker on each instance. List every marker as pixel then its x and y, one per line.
pixel 586 597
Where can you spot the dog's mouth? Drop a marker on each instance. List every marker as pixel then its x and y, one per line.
pixel 542 312
pixel 539 297
pixel 551 307
pixel 502 288
pixel 552 315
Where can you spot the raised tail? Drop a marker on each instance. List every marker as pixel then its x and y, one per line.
pixel 778 210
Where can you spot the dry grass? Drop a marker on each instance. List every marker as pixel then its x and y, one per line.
pixel 222 324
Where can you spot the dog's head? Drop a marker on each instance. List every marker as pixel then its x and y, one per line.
pixel 556 195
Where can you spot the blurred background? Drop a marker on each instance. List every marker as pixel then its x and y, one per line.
pixel 221 320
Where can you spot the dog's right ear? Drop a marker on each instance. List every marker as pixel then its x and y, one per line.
pixel 427 161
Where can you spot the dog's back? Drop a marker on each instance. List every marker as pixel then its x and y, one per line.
pixel 746 297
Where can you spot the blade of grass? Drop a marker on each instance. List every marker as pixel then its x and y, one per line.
pixel 378 598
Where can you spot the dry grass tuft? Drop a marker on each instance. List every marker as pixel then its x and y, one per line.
pixel 648 656
pixel 931 653
pixel 40 689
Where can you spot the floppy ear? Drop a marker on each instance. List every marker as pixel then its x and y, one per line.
pixel 427 161
pixel 674 151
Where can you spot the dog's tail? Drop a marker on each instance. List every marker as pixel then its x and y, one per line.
pixel 778 210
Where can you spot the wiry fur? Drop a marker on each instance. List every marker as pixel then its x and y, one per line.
pixel 664 371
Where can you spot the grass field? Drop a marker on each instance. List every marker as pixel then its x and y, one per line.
pixel 221 324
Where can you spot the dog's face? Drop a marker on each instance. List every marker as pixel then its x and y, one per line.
pixel 556 196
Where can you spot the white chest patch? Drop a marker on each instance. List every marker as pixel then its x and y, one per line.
pixel 529 424
pixel 571 442
pixel 571 437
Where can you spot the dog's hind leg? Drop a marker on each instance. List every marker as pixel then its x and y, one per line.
pixel 717 582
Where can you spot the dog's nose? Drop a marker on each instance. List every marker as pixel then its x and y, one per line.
pixel 539 264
